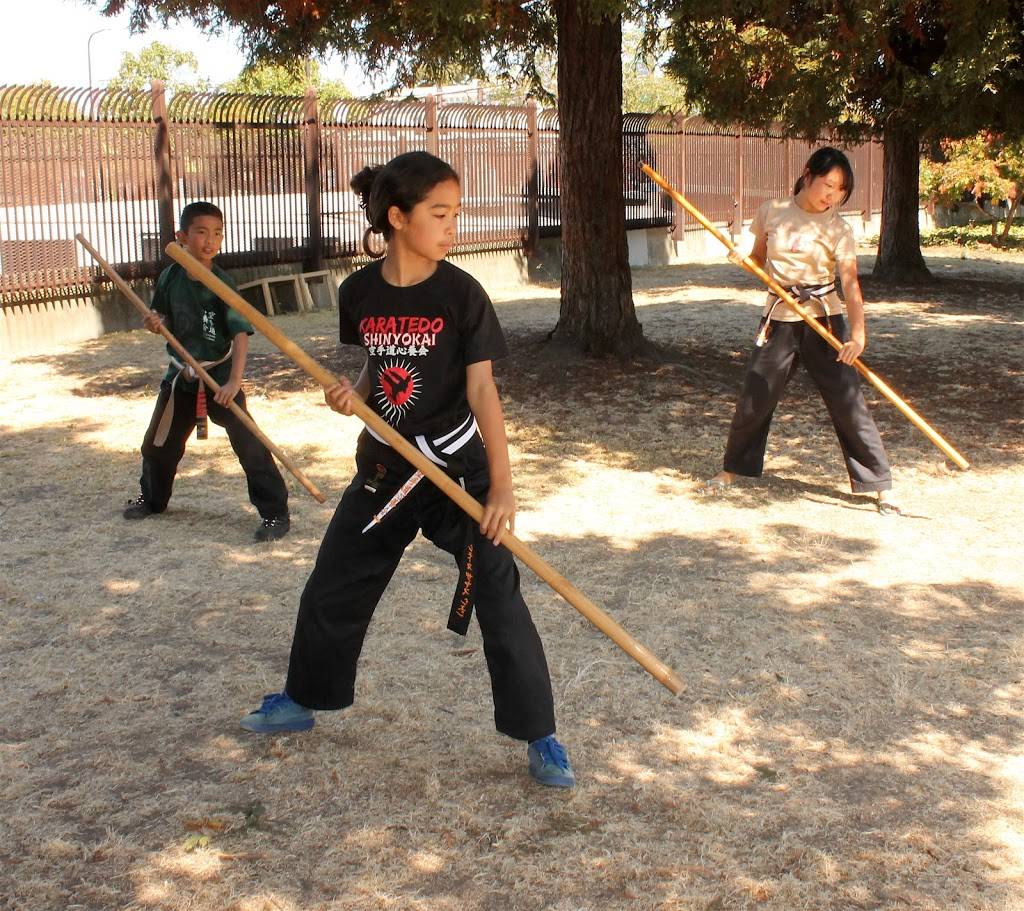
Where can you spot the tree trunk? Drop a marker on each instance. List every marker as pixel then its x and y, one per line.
pixel 899 245
pixel 1010 213
pixel 597 302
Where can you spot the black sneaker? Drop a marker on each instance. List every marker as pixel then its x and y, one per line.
pixel 272 529
pixel 138 508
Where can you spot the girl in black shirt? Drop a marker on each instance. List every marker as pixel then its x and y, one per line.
pixel 430 335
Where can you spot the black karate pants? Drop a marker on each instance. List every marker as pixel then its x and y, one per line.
pixel 353 569
pixel 267 490
pixel 768 372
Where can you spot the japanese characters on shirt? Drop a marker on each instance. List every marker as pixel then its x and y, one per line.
pixel 418 341
pixel 203 323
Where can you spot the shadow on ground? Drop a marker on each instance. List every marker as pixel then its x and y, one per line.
pixel 816 758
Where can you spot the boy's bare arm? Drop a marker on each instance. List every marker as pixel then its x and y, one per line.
pixel 239 352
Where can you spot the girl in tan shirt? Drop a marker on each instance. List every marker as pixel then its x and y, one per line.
pixel 803 242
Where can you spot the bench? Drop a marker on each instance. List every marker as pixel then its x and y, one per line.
pixel 300 284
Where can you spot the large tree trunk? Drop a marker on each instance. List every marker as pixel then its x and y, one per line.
pixel 899 245
pixel 597 302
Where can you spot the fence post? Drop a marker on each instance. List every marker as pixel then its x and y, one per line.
pixel 162 158
pixel 871 156
pixel 532 239
pixel 431 124
pixel 311 152
pixel 679 147
pixel 737 218
pixel 788 153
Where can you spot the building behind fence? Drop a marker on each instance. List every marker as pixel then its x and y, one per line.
pixel 118 166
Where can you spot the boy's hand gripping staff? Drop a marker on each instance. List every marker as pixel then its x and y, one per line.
pixel 205 377
pixel 661 672
pixel 747 263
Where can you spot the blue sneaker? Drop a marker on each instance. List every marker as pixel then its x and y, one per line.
pixel 278 715
pixel 549 764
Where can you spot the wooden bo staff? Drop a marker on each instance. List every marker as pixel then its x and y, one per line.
pixel 205 377
pixel 747 263
pixel 661 672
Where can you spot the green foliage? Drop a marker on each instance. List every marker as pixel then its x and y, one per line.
pixel 419 41
pixel 292 78
pixel 975 236
pixel 539 80
pixel 984 164
pixel 269 79
pixel 651 92
pixel 158 61
pixel 645 86
pixel 908 70
pixel 946 68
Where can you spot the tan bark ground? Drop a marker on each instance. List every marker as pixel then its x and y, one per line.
pixel 851 732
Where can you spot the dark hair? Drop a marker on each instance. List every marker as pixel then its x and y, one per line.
pixel 404 181
pixel 195 210
pixel 821 163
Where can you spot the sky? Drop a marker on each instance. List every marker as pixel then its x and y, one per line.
pixel 49 40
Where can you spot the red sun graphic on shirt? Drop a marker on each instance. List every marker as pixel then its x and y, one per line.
pixel 398 388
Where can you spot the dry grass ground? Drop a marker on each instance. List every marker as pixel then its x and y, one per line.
pixel 851 732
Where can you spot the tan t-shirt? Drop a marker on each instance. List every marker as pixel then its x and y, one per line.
pixel 803 249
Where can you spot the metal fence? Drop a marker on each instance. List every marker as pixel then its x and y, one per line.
pixel 118 166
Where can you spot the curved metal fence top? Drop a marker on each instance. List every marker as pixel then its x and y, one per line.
pixel 700 126
pixel 653 123
pixel 71 105
pixel 484 117
pixel 548 119
pixel 355 112
pixel 215 107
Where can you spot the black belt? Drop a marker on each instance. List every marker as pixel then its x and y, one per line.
pixel 447 444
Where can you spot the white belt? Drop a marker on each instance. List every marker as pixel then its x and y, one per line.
pixel 455 440
pixel 163 429
pixel 435 449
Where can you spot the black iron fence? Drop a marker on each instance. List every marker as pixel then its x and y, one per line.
pixel 118 166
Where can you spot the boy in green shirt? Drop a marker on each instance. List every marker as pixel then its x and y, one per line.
pixel 217 337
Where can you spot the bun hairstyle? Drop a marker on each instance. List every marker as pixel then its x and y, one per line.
pixel 404 182
pixel 823 162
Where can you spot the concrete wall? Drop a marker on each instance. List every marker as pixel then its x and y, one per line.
pixel 967 214
pixel 44 324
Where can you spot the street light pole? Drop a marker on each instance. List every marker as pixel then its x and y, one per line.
pixel 88 51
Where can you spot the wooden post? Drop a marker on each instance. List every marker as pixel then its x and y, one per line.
pixel 679 150
pixel 431 139
pixel 311 154
pixel 162 158
pixel 737 219
pixel 870 178
pixel 533 178
pixel 787 152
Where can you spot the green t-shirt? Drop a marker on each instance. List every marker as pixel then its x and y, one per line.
pixel 200 320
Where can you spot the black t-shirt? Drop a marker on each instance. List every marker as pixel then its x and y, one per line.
pixel 419 341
